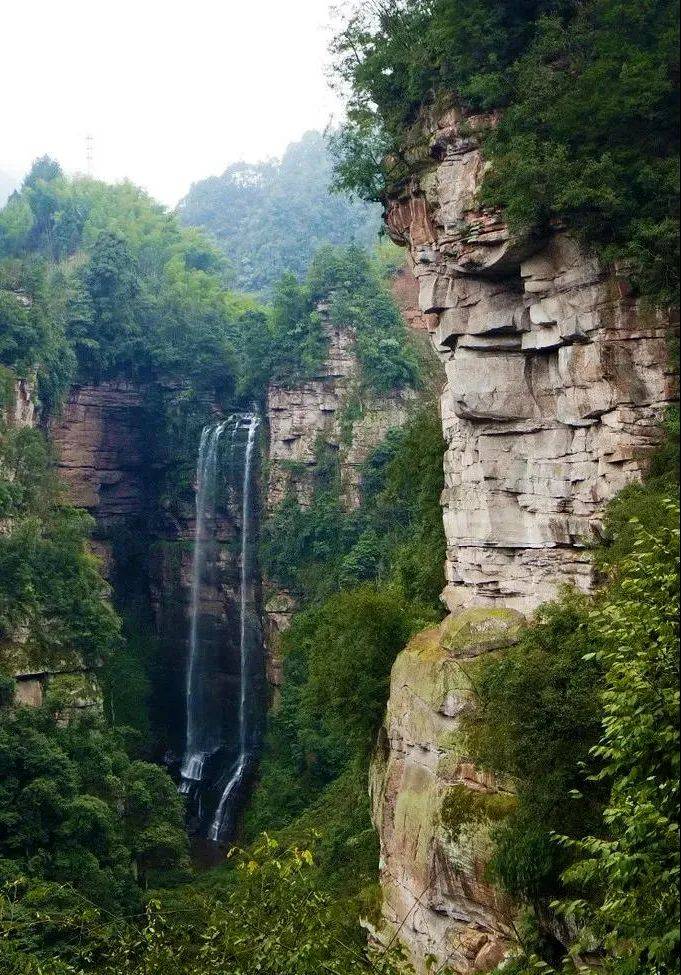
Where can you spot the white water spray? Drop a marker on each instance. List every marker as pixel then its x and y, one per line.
pixel 203 737
pixel 242 762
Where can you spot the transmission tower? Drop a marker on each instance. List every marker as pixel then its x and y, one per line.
pixel 89 152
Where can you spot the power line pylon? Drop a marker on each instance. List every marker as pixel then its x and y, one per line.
pixel 89 152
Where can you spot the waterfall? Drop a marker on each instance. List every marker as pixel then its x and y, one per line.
pixel 222 731
pixel 242 763
pixel 203 734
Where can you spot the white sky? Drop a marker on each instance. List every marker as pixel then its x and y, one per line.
pixel 171 91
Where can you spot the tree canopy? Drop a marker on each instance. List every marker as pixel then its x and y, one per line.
pixel 270 218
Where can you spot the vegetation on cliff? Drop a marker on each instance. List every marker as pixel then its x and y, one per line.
pixel 588 92
pixel 366 580
pixel 54 605
pixel 99 284
pixel 84 825
pixel 584 716
pixel 350 283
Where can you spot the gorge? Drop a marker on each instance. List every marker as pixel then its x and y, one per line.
pixel 339 621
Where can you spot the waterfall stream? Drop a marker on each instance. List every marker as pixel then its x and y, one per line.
pixel 215 766
pixel 243 759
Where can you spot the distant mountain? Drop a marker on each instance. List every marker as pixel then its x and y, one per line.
pixel 271 217
pixel 7 185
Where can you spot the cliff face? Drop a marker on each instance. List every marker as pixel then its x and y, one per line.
pixel 105 459
pixel 557 383
pixel 330 412
pixel 101 456
pixel 435 895
pixel 66 673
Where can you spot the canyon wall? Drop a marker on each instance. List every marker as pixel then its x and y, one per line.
pixel 557 384
pixel 333 411
pixel 64 674
pixel 105 457
pixel 330 412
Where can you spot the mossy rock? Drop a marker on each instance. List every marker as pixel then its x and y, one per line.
pixel 481 630
pixel 416 813
pixel 462 805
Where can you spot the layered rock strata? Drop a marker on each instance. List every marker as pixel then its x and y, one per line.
pixel 329 412
pixel 63 677
pixel 557 385
pixel 557 382
pixel 436 897
pixel 332 411
pixel 103 452
pixel 101 456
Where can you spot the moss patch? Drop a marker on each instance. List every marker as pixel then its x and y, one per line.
pixel 462 805
pixel 479 630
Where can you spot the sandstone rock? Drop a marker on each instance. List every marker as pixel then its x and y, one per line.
pixel 557 382
pixel 278 614
pixel 99 440
pixel 21 409
pixel 330 409
pixel 434 886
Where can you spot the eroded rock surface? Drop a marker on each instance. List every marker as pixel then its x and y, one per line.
pixel 146 544
pixel 99 440
pixel 330 411
pixel 557 382
pixel 435 894
pixel 557 385
pixel 62 675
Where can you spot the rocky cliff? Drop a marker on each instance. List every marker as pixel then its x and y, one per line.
pixel 64 674
pixel 331 411
pixel 435 895
pixel 105 457
pixel 557 384
pixel 557 381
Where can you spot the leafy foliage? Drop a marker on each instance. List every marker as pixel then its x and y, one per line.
pixel 635 866
pixel 352 286
pixel 81 823
pixel 583 716
pixel 589 129
pixel 267 916
pixel 539 716
pixel 367 580
pixel 271 218
pixel 50 585
pixel 395 537
pixel 103 276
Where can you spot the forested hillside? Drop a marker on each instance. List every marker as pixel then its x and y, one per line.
pixel 270 218
pixel 99 283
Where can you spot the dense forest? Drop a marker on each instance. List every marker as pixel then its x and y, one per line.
pixel 270 218
pixel 208 306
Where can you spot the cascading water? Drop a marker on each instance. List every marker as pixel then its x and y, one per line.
pixel 242 763
pixel 203 732
pixel 221 745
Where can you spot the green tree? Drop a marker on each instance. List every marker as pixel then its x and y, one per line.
pixel 635 867
pixel 589 130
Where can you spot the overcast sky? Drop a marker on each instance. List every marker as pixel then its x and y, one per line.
pixel 170 91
